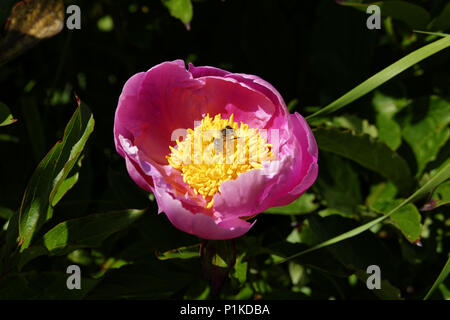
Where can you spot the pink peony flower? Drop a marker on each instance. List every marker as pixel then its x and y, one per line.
pixel 174 127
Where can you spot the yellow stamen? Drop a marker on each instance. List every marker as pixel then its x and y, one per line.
pixel 212 153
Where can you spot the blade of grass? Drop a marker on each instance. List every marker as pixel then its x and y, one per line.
pixel 384 75
pixel 437 179
pixel 442 276
pixel 439 34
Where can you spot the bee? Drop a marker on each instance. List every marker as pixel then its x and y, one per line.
pixel 227 134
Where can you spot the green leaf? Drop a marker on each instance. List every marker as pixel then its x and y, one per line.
pixel 47 182
pixel 85 232
pixel 338 184
pixel 180 9
pixel 442 22
pixel 427 135
pixel 89 231
pixel 303 234
pixel 413 15
pixel 380 194
pixel 217 259
pixel 357 253
pixel 389 131
pixel 181 253
pixel 360 126
pixel 406 219
pixel 304 204
pixel 330 211
pixel 65 186
pixel 385 75
pixel 297 272
pixel 347 121
pixel 240 269
pixel 369 153
pixel 6 117
pixel 440 279
pixel 388 105
pixel 439 177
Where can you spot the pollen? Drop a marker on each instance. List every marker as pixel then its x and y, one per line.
pixel 218 150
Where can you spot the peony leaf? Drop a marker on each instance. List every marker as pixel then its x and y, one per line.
pixel 427 135
pixel 387 107
pixel 304 204
pixel 86 232
pixel 355 254
pixel 380 194
pixel 181 253
pixel 442 22
pixel 65 186
pixel 358 253
pixel 385 75
pixel 442 175
pixel 366 151
pixel 6 117
pixel 44 188
pixel 406 219
pixel 89 231
pixel 441 195
pixel 389 131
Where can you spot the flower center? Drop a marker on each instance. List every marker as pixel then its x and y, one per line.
pixel 215 151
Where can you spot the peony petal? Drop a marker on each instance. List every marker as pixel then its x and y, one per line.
pixel 205 71
pixel 127 97
pixel 244 196
pixel 307 164
pixel 228 96
pixel 150 104
pixel 279 183
pixel 299 189
pixel 199 224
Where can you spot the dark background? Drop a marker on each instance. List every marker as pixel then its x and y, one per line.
pixel 311 51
